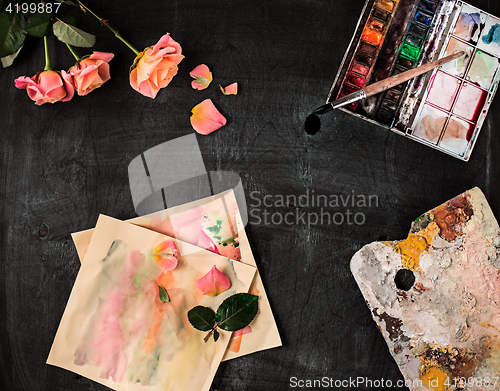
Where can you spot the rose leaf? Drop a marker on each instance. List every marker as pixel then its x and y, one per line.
pixel 38 25
pixel 202 318
pixel 162 292
pixel 8 60
pixel 237 311
pixel 12 33
pixel 72 36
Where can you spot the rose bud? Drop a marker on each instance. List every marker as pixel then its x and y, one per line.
pixel 47 86
pixel 155 67
pixel 91 72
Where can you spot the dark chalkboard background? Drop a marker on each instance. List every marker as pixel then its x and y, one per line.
pixel 64 164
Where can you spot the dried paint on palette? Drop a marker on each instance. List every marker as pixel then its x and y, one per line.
pixel 456 135
pixel 435 296
pixel 483 69
pixel 430 124
pixel 490 39
pixel 470 24
pixel 397 36
pixel 458 66
pixel 442 90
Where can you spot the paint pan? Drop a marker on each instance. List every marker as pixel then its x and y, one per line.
pixel 444 109
pixel 435 296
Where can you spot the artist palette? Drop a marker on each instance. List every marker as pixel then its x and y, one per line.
pixel 435 296
pixel 444 109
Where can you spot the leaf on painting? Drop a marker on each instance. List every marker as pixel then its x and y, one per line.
pixel 162 292
pixel 202 318
pixel 237 311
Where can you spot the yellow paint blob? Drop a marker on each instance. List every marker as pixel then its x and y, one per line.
pixel 429 232
pixel 410 250
pixel 435 378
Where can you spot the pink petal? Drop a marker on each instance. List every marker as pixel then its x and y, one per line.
pixel 231 89
pixel 242 331
pixel 166 40
pixel 203 77
pixel 205 118
pixel 107 57
pixel 167 246
pixel 68 84
pixel 22 82
pixel 165 255
pixel 166 262
pixel 213 283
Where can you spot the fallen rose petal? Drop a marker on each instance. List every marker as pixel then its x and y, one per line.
pixel 165 255
pixel 202 77
pixel 213 283
pixel 205 118
pixel 167 246
pixel 166 262
pixel 231 89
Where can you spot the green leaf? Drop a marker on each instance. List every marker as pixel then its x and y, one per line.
pixel 163 294
pixel 72 36
pixel 12 32
pixel 8 60
pixel 68 19
pixel 237 311
pixel 38 25
pixel 202 318
pixel 216 335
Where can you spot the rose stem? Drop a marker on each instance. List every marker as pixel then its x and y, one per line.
pixel 47 59
pixel 73 53
pixel 210 333
pixel 105 23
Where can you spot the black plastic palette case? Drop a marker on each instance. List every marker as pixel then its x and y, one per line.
pixel 443 109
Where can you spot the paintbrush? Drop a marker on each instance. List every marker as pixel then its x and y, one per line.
pixel 385 84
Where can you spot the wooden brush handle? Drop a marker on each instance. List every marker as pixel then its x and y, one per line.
pixel 392 81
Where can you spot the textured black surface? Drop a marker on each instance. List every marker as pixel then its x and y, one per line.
pixel 63 164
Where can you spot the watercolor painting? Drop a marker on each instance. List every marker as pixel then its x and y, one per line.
pixel 116 330
pixel 435 296
pixel 214 224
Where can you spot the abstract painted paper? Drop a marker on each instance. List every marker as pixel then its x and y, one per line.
pixel 115 329
pixel 435 296
pixel 213 223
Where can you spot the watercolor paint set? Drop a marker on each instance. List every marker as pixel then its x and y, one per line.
pixel 444 109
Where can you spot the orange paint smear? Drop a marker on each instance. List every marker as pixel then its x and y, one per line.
pixel 154 330
pixel 410 250
pixel 235 344
pixel 371 36
pixel 166 280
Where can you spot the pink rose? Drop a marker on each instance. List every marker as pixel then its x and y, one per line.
pixel 47 86
pixel 91 72
pixel 155 67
